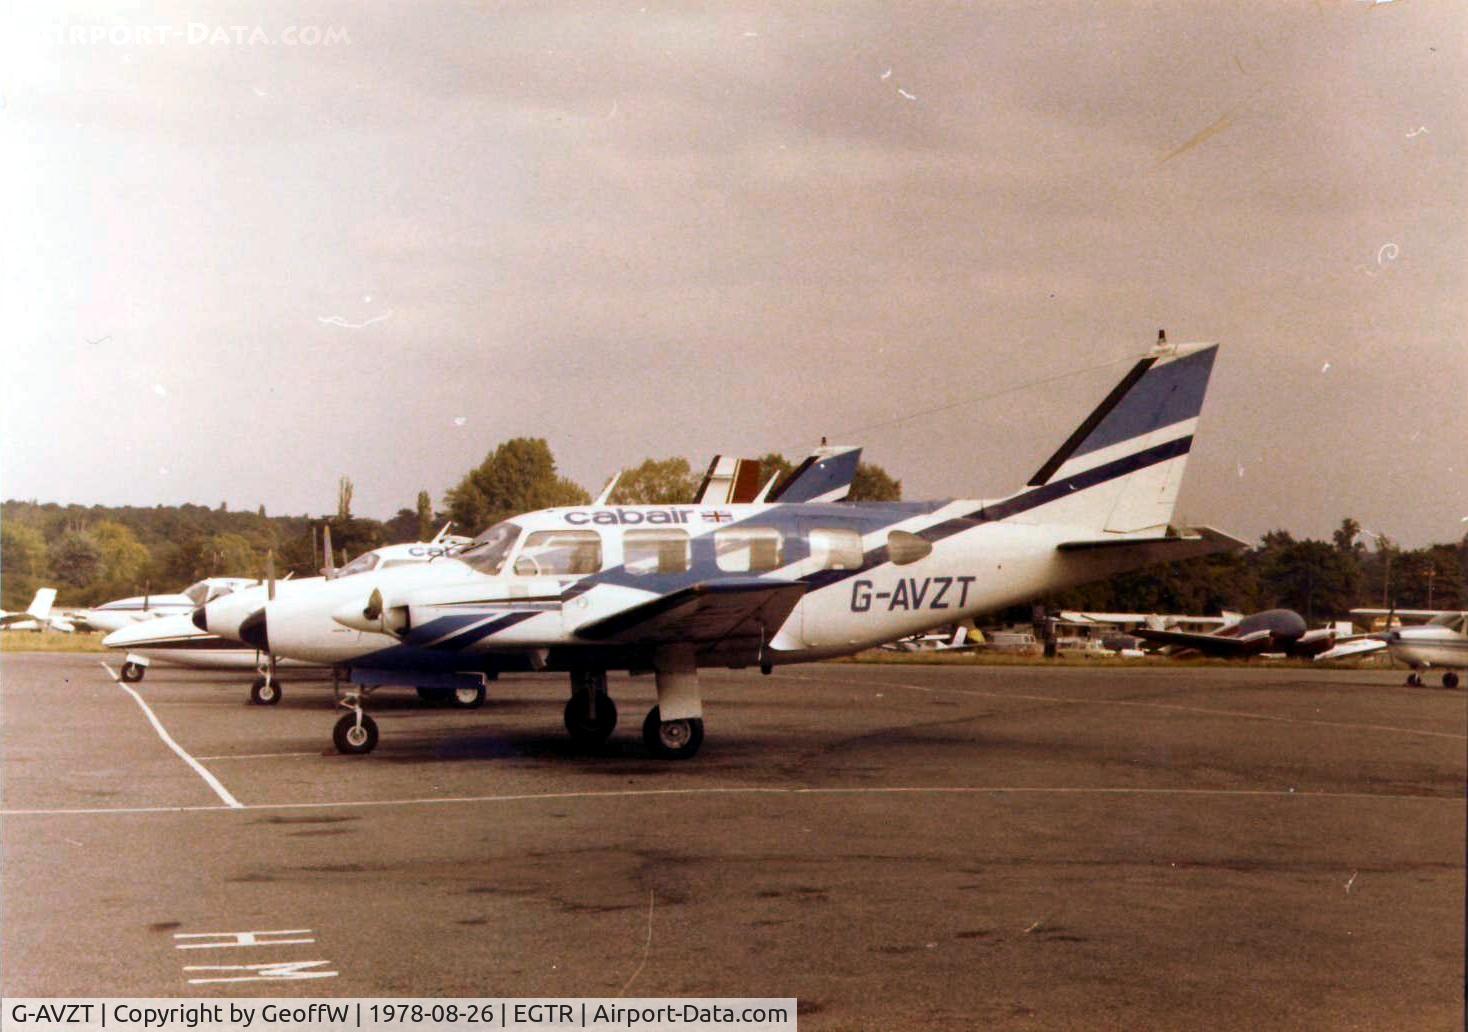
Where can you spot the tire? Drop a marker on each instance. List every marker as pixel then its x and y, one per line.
pixel 434 696
pixel 350 740
pixel 1450 679
pixel 587 731
pixel 265 692
pixel 133 672
pixel 673 739
pixel 467 698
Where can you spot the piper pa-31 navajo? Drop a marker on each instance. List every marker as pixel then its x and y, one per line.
pixel 667 589
pixel 211 637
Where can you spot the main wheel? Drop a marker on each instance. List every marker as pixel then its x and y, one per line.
pixel 671 739
pixel 1414 680
pixel 433 696
pixel 588 730
pixel 467 698
pixel 264 692
pixel 1450 679
pixel 133 672
pixel 353 739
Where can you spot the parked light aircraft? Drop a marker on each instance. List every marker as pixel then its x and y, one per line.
pixel 957 640
pixel 111 616
pixel 214 637
pixel 1441 642
pixel 37 616
pixel 175 639
pixel 1272 631
pixel 669 589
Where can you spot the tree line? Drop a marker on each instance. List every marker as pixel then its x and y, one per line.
pixel 95 553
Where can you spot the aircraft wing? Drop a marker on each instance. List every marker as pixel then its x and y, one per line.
pixel 1354 647
pixel 1208 644
pixel 707 612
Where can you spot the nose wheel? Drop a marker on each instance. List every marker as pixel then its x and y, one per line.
pixel 265 691
pixel 355 734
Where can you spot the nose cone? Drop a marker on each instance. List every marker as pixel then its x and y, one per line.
pixel 200 619
pixel 253 631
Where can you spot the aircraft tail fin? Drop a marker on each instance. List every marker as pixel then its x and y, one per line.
pixel 40 606
pixel 1121 469
pixel 824 476
pixel 729 481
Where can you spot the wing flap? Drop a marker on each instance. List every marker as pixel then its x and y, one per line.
pixel 1158 548
pixel 708 612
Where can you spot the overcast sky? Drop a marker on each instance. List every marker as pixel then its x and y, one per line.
pixel 237 268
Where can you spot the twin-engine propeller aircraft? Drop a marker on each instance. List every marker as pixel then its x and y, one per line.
pixel 1441 642
pixel 119 613
pixel 178 640
pixel 1270 632
pixel 671 588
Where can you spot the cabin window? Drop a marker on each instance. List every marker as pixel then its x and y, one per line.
pixel 560 553
pixel 747 549
pixel 904 548
pixel 835 549
pixel 655 551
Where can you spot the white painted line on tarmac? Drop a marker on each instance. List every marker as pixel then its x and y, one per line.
pixel 199 769
pixel 258 755
pixel 665 793
pixel 1073 701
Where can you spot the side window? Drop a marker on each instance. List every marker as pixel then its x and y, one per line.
pixel 556 553
pixel 655 551
pixel 747 549
pixel 904 548
pixel 834 549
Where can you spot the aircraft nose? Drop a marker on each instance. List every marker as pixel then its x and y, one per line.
pixel 254 632
pixel 200 620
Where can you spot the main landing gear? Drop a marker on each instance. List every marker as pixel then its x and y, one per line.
pixel 1450 679
pixel 133 672
pixel 591 715
pixel 355 734
pixel 463 697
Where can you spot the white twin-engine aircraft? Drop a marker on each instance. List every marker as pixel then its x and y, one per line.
pixel 669 589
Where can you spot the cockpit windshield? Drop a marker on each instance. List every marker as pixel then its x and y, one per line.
pixel 1452 621
pixel 487 554
pixel 364 562
pixel 197 592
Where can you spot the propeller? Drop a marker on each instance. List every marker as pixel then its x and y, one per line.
pixel 270 574
pixel 374 605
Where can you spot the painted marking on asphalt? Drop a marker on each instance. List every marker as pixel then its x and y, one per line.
pixel 1064 700
pixel 258 755
pixel 666 793
pixel 234 940
pixel 275 971
pixel 199 769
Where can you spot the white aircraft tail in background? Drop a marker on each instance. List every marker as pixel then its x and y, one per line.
pixel 37 616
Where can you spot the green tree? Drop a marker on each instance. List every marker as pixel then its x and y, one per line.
pixel 426 528
pixel 873 484
pixel 124 559
pixel 656 482
pixel 518 476
pixel 344 498
pixel 75 559
pixel 23 561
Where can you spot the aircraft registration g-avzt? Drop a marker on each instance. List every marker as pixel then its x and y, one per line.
pixel 668 589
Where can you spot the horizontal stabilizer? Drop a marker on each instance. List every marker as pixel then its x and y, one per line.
pixel 1161 548
pixel 708 612
pixel 1354 647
